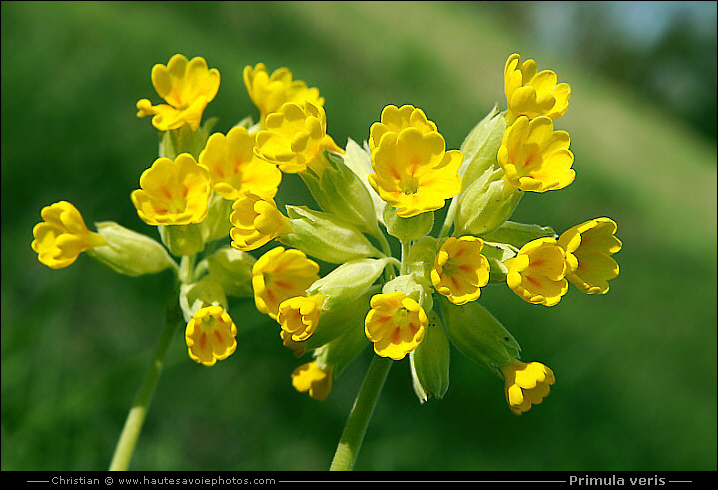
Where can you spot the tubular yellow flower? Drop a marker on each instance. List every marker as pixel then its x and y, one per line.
pixel 173 192
pixel 526 384
pixel 531 93
pixel 394 119
pixel 395 324
pixel 269 93
pixel 588 248
pixel 294 138
pixel 535 157
pixel 299 316
pixel 186 86
pixel 281 274
pixel 413 171
pixel 460 270
pixel 537 273
pixel 62 236
pixel 310 377
pixel 255 221
pixel 234 167
pixel 210 335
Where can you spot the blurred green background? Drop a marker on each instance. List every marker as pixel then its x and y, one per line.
pixel 635 369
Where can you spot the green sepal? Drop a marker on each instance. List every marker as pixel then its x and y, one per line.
pixel 497 254
pixel 430 361
pixel 413 288
pixel 129 252
pixel 182 239
pixel 335 322
pixel 408 229
pixel 420 259
pixel 486 204
pixel 481 146
pixel 480 149
pixel 340 192
pixel 326 237
pixel 518 234
pixel 479 335
pixel 232 269
pixel 341 351
pixel 202 293
pixel 185 140
pixel 358 159
pixel 216 225
pixel 349 280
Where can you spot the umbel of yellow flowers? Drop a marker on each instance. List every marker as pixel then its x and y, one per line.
pixel 214 199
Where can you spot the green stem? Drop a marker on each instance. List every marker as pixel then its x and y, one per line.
pixel 136 416
pixel 358 421
pixel 405 246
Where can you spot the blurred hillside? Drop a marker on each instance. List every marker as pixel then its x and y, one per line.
pixel 635 369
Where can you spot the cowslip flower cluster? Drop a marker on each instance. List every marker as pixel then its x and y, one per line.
pixel 391 283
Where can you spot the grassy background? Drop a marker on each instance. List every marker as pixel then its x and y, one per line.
pixel 636 369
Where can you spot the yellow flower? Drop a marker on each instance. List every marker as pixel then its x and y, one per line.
pixel 269 93
pixel 281 274
pixel 186 86
pixel 299 316
pixel 62 236
pixel 588 248
pixel 255 221
pixel 413 172
pixel 394 119
pixel 310 377
pixel 526 384
pixel 395 324
pixel 210 335
pixel 294 138
pixel 173 192
pixel 234 167
pixel 460 270
pixel 537 273
pixel 535 157
pixel 533 94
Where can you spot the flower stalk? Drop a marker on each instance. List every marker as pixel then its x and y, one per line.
pixel 352 438
pixel 136 416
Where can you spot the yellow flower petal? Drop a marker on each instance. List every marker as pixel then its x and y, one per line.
pixel 537 273
pixel 186 86
pixel 281 274
pixel 234 167
pixel 535 157
pixel 588 248
pixel 413 172
pixel 531 93
pixel 210 335
pixel 526 384
pixel 270 93
pixel 311 378
pixel 395 324
pixel 460 271
pixel 173 192
pixel 62 236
